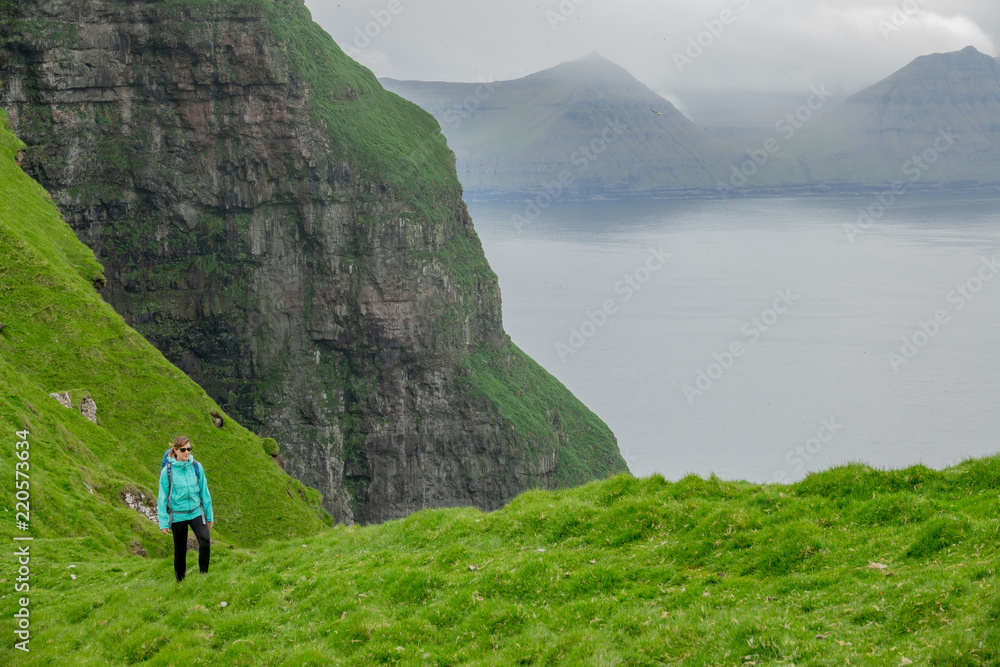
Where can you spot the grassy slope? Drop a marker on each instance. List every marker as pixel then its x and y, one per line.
pixel 59 335
pixel 387 138
pixel 517 385
pixel 851 566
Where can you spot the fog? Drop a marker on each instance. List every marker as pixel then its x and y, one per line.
pixel 690 52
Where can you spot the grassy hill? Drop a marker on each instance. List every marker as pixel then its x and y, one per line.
pixel 851 566
pixel 58 335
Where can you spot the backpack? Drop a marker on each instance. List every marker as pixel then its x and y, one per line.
pixel 170 483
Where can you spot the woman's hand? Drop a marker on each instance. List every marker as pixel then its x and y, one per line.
pixel 210 524
pixel 165 531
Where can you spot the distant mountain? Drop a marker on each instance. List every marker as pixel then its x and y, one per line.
pixel 587 125
pixel 935 123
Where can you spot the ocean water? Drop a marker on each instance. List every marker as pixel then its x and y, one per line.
pixel 762 339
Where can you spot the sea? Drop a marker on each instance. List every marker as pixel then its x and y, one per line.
pixel 761 339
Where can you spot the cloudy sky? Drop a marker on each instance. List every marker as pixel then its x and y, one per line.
pixel 682 49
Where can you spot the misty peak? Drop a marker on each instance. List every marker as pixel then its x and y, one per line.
pixel 968 73
pixel 592 68
pixel 968 56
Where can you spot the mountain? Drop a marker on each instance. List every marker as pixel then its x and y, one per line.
pixel 933 124
pixel 293 238
pixel 513 138
pixel 586 128
pixel 97 405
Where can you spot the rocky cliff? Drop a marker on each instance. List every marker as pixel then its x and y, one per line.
pixel 78 387
pixel 293 237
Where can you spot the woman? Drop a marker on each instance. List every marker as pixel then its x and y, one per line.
pixel 184 500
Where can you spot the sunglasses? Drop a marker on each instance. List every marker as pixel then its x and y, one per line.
pixel 184 449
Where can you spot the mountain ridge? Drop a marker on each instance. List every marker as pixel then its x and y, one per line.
pixel 517 136
pixel 880 134
pixel 860 145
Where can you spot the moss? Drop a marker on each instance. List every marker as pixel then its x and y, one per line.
pixel 466 261
pixel 348 383
pixel 270 446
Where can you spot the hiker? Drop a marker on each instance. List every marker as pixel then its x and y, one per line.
pixel 184 500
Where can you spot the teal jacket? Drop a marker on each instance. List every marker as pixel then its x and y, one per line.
pixel 188 495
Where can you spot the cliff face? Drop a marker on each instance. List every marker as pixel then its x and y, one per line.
pixel 79 385
pixel 292 237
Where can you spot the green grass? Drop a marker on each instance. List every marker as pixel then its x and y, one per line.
pixel 851 566
pixel 59 335
pixel 389 140
pixel 517 385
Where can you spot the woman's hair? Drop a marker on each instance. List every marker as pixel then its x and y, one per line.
pixel 179 442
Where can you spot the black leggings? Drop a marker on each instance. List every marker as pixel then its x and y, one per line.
pixel 180 531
